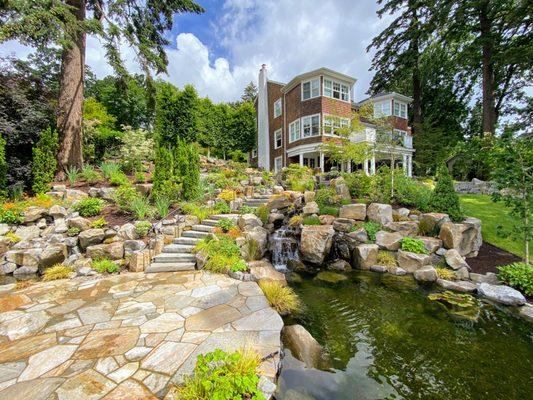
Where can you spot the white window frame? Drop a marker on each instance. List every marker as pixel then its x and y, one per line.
pixel 276 160
pixel 277 108
pixel 336 123
pixel 332 86
pixel 295 132
pixel 254 153
pixel 309 119
pixel 378 108
pixel 312 89
pixel 401 134
pixel 402 109
pixel 278 132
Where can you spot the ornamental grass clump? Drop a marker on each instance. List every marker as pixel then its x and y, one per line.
pixel 386 258
pixel 282 298
pixel 414 245
pixel 445 273
pixel 58 271
pixel 371 228
pixel 222 254
pixel 518 275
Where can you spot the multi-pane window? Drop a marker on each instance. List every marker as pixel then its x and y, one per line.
pixel 399 137
pixel 254 153
pixel 336 90
pixel 277 108
pixel 332 124
pixel 311 89
pixel 278 164
pixel 311 125
pixel 278 139
pixel 294 131
pixel 382 109
pixel 400 109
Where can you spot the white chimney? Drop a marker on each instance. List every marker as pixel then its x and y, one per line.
pixel 263 143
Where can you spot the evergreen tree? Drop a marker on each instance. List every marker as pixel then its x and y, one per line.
pixel 250 93
pixel 44 161
pixel 165 185
pixel 242 129
pixel 186 117
pixel 187 169
pixel 3 169
pixel 444 199
pixel 166 110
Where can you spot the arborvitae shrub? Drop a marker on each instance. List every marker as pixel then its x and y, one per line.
pixel 163 177
pixel 187 169
pixel 3 168
pixel 44 161
pixel 444 199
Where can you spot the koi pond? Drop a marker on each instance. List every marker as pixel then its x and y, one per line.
pixel 385 339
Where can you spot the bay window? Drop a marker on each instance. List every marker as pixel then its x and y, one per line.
pixel 382 109
pixel 311 125
pixel 336 90
pixel 294 131
pixel 400 109
pixel 311 89
pixel 332 124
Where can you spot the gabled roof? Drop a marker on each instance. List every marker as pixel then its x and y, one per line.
pixel 387 95
pixel 320 71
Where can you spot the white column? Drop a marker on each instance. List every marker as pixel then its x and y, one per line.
pixel 348 166
pixel 410 167
pixel 404 163
pixel 366 166
pixel 301 159
pixel 373 165
pixel 322 162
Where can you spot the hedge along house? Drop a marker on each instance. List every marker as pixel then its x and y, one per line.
pixel 294 119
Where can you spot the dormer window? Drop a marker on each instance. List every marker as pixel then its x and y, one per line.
pixel 311 89
pixel 400 109
pixel 382 109
pixel 336 90
pixel 277 108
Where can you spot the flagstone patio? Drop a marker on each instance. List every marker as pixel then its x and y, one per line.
pixel 131 336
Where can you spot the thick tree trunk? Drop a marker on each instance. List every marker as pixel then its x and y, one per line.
pixel 70 103
pixel 489 107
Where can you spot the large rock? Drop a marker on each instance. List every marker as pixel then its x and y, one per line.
pixel 353 211
pixel 412 261
pixel 339 265
pixel 389 240
pixel 279 202
pixel 112 251
pixel 260 235
pixel 366 255
pixel 53 254
pixel 303 346
pixel 465 237
pixel 90 237
pixel 406 228
pixel 310 208
pixel 79 223
pixel 28 257
pixel 249 221
pixel 343 224
pixel 454 259
pixel 426 274
pixel 128 232
pixel 341 188
pixel 431 244
pixel 28 232
pixel 430 223
pixel 489 277
pixel 344 245
pixel 381 213
pixel 458 286
pixel 73 195
pixel 501 294
pixel 315 242
pixel 263 270
pixel 360 235
pixel 33 213
pixel 309 196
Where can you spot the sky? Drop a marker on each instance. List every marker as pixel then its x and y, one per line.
pixel 222 50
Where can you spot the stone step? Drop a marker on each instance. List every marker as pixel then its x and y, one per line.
pixel 210 222
pixel 222 216
pixel 178 248
pixel 174 258
pixel 170 267
pixel 255 203
pixel 202 228
pixel 195 234
pixel 186 240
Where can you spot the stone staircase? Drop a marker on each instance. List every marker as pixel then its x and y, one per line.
pixel 257 200
pixel 178 256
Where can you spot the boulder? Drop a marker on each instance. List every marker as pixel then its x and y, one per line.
pixel 412 261
pixel 465 237
pixel 275 217
pixel 33 213
pixel 27 257
pixel 201 259
pixel 90 237
pixel 28 232
pixel 264 270
pixel 353 211
pixel 260 235
pixel 309 196
pixel 60 225
pixel 113 251
pixel 489 277
pixel 501 294
pixel 4 228
pixel 296 265
pixel 454 259
pixel 133 245
pixel 389 240
pixel 360 235
pixel 379 268
pixel 7 268
pixel 406 228
pixel 526 312
pixel 344 245
pixel 404 212
pixel 315 242
pixel 339 265
pixel 279 202
pixel 26 270
pixel 326 219
pixel 462 274
pixel 426 274
pixel 127 232
pixel 79 223
pixel 53 254
pixel 57 211
pixel 310 208
pixel 430 223
pixel 458 286
pixel 381 213
pixel 431 244
pixel 343 224
pixel 366 255
pixel 303 346
pixel 144 188
pixel 73 195
pixel 249 221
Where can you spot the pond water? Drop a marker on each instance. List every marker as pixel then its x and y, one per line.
pixel 386 340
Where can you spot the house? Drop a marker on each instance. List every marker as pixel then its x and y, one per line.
pixel 295 118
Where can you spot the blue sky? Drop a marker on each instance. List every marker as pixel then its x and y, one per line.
pixel 220 51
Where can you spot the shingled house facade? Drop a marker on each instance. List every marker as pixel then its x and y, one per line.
pixel 294 119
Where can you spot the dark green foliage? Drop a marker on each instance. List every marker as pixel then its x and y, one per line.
pixel 414 245
pixel 444 199
pixel 89 206
pixel 163 176
pixel 186 117
pixel 11 216
pixel 519 275
pixel 371 229
pixel 225 224
pixel 222 207
pixel 3 169
pixel 242 128
pixel 44 161
pixel 187 169
pixel 411 193
pixel 105 266
pixel 311 220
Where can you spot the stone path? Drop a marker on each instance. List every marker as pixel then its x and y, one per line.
pixel 129 336
pixel 257 200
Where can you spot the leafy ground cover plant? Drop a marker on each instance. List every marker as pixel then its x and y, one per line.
pixel 282 298
pixel 58 271
pixel 222 254
pixel 227 195
pixel 220 376
pixel 140 206
pixel 104 265
pixel 142 228
pixel 371 229
pixel 300 178
pixel 247 210
pixel 518 275
pixel 225 224
pixel 201 212
pixel 414 245
pixel 89 206
pixel 221 207
pixel 99 223
pixel 118 178
pixel 73 231
pixel 90 174
pixel 124 196
pixel 311 220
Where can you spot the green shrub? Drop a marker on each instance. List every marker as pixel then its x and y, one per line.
pixel 222 207
pixel 140 206
pixel 90 175
pixel 163 177
pixel 140 177
pixel 142 228
pixel 72 175
pixel 11 217
pixel 58 271
pixel 386 258
pixel 124 196
pixel 371 229
pixel 73 231
pixel 225 224
pixel 44 162
pixel 109 168
pixel 201 212
pixel 282 298
pixel 519 275
pixel 329 210
pixel 3 169
pixel 187 169
pixel 137 147
pixel 327 197
pixel 105 265
pixel 222 254
pixel 262 213
pixel 414 245
pixel 300 178
pixel 89 206
pixel 247 210
pixel 162 206
pixel 444 199
pixel 239 265
pixel 311 220
pixel 118 178
pixel 219 375
pixel 361 185
pixel 99 223
pixel 410 193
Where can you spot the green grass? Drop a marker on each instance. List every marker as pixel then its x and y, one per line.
pixel 493 215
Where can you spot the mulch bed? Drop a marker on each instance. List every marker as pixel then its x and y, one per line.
pixel 489 258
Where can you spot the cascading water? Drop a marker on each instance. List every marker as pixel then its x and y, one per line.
pixel 283 247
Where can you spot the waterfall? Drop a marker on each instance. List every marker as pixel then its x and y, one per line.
pixel 283 247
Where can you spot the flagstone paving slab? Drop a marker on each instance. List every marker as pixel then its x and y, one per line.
pixel 129 336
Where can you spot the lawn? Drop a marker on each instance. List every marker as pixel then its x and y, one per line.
pixel 493 215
